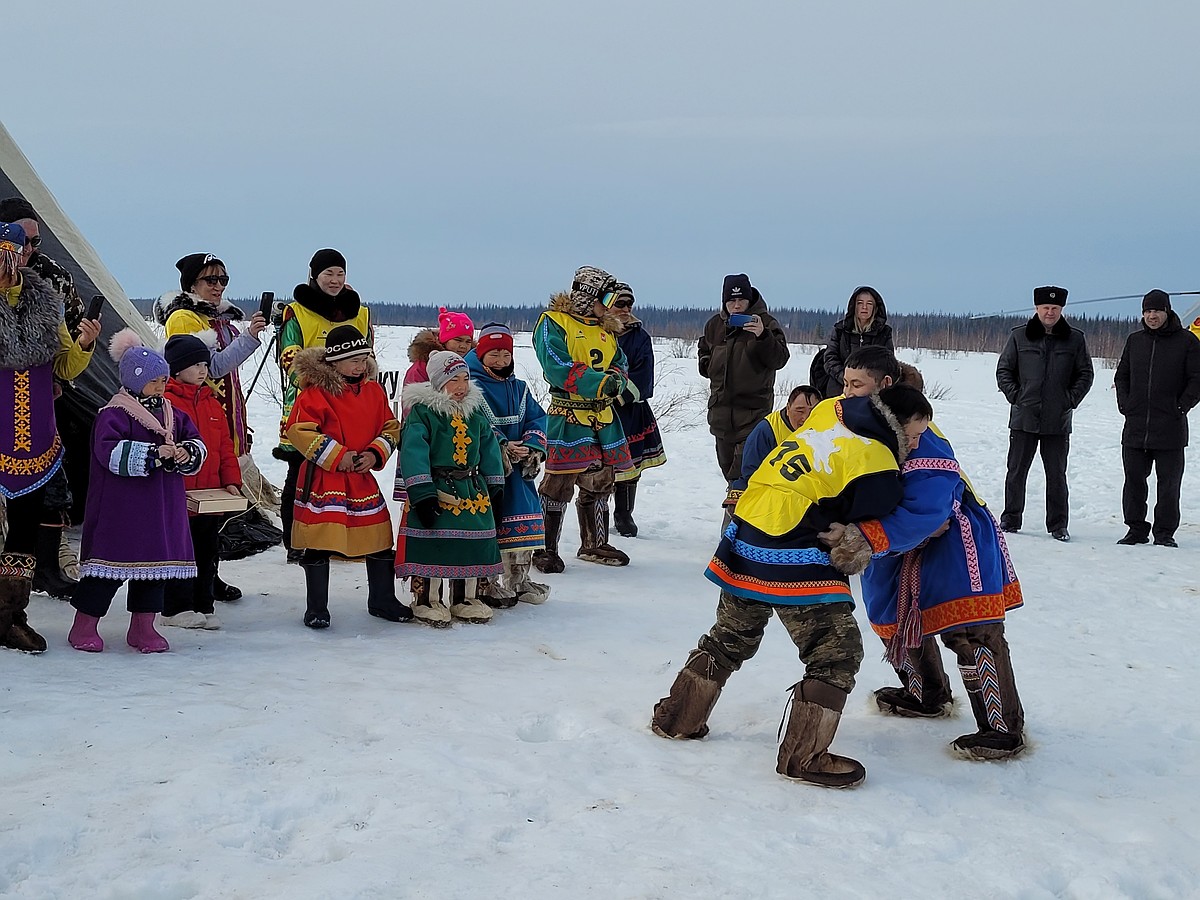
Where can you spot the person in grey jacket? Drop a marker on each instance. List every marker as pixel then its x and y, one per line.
pixel 1044 371
pixel 1158 383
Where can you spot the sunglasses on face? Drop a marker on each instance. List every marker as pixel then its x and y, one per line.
pixel 214 280
pixel 623 304
pixel 33 242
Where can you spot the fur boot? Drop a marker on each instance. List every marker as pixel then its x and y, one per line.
pixel 516 574
pixel 465 605
pixel 16 581
pixel 427 605
pixel 593 532
pixel 495 593
pixel 83 635
pixel 996 707
pixel 68 559
pixel 925 693
pixel 548 561
pixel 48 577
pixel 624 494
pixel 683 713
pixel 803 754
pixel 142 636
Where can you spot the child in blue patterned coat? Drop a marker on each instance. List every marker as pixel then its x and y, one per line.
pixel 520 426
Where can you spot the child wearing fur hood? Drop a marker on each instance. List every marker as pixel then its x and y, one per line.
pixel 343 425
pixel 142 449
pixel 453 475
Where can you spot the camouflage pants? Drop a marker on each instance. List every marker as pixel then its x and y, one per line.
pixel 826 635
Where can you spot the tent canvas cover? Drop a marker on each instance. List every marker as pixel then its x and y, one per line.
pixel 62 242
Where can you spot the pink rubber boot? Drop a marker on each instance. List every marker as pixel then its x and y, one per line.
pixel 83 634
pixel 142 636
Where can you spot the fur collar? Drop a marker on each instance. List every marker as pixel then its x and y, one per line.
pixel 342 308
pixel 889 417
pixel 311 370
pixel 561 303
pixel 176 300
pixel 422 393
pixel 1035 330
pixel 29 331
pixel 423 344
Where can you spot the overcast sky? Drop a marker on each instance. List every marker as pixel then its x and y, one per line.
pixel 954 155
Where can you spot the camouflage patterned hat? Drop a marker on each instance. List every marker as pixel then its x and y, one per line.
pixel 590 285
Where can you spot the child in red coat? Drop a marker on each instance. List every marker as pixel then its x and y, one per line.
pixel 189 603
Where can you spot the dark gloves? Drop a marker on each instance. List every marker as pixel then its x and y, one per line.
pixel 426 511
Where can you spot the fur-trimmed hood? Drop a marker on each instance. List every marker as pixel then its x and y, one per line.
pixel 175 300
pixel 311 370
pixel 874 419
pixel 561 302
pixel 423 344
pixel 422 393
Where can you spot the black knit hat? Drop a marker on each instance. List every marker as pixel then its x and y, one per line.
pixel 185 350
pixel 192 265
pixel 736 287
pixel 344 342
pixel 325 259
pixel 1157 299
pixel 1050 296
pixel 15 208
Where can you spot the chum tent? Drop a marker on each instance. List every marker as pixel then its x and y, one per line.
pixel 62 242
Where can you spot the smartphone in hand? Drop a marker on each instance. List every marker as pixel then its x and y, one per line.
pixel 94 306
pixel 739 320
pixel 266 304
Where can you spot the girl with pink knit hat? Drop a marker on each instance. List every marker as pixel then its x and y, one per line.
pixel 455 332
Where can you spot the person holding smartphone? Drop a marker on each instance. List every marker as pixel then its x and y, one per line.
pixel 739 353
pixel 201 307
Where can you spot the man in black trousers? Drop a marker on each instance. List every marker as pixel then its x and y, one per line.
pixel 1045 371
pixel 1158 382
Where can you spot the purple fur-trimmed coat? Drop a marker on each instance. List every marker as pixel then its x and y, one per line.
pixel 136 524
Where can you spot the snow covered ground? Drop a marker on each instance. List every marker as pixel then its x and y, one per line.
pixel 514 760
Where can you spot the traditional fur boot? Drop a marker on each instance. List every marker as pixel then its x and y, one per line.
pixel 548 561
pixel 803 754
pixel 516 573
pixel 683 713
pixel 624 495
pixel 48 577
pixel 427 605
pixel 926 690
pixel 316 581
pixel 68 559
pixel 16 581
pixel 465 605
pixel 83 635
pixel 997 710
pixel 495 594
pixel 593 532
pixel 142 636
pixel 381 590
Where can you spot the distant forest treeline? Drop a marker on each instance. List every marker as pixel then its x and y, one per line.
pixel 929 331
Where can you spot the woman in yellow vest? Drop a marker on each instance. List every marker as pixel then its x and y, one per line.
pixel 318 306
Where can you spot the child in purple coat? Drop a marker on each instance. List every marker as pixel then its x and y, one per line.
pixel 135 527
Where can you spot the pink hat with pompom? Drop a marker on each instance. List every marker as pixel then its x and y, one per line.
pixel 453 325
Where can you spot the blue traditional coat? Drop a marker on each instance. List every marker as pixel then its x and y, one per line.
pixel 842 466
pixel 924 585
pixel 633 406
pixel 515 415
